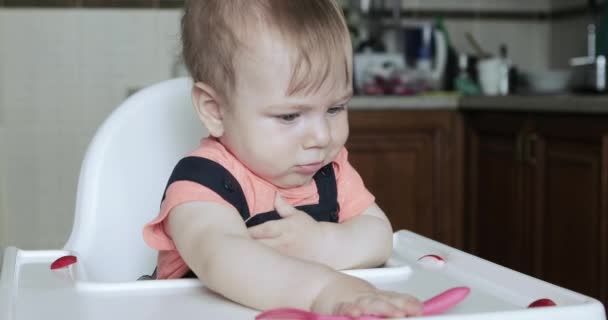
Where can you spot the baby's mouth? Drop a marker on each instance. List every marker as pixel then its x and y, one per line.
pixel 309 168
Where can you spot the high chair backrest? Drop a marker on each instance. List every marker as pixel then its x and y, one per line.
pixel 123 177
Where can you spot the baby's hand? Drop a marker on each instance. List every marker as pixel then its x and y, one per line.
pixel 349 296
pixel 296 235
pixel 381 303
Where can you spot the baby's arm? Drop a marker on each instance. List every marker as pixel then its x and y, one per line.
pixel 214 242
pixel 363 241
pixel 360 242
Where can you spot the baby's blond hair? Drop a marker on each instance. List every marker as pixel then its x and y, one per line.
pixel 213 32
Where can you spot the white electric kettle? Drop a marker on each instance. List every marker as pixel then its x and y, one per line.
pixel 425 49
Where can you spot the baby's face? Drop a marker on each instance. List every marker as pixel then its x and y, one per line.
pixel 283 139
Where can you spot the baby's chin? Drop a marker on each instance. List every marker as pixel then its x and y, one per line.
pixel 293 181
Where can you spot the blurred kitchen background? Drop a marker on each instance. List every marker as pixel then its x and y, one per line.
pixel 487 112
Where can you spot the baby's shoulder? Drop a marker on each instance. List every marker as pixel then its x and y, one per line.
pixel 215 151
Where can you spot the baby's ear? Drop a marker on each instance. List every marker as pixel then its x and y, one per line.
pixel 208 107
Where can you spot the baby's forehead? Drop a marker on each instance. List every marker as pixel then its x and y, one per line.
pixel 264 47
pixel 269 54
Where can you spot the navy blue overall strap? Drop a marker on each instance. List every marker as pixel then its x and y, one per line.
pixel 326 210
pixel 213 176
pixel 217 178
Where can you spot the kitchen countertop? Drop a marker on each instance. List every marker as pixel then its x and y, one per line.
pixel 597 104
pixel 421 102
pixel 558 103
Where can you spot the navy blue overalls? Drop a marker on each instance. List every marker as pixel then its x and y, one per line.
pixel 215 177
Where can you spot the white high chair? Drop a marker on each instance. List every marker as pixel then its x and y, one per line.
pixel 120 187
pixel 123 177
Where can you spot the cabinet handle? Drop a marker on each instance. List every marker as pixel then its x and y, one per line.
pixel 530 149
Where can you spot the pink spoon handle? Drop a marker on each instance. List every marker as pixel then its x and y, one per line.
pixel 444 300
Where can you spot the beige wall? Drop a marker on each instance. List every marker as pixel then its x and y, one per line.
pixel 61 73
pixel 527 41
pixel 569 36
pixel 568 39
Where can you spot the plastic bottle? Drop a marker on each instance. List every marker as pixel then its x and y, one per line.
pixel 504 87
pixel 463 83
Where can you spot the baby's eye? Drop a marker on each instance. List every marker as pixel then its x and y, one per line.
pixel 288 117
pixel 336 109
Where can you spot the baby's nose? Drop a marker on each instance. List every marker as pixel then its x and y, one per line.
pixel 319 135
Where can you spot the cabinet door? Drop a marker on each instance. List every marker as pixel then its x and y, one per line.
pixel 571 208
pixel 496 201
pixel 408 159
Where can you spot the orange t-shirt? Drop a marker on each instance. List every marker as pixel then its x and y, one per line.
pixel 353 199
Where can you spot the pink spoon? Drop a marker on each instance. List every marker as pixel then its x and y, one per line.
pixel 444 300
pixel 432 306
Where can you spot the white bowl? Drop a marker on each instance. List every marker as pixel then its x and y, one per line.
pixel 549 81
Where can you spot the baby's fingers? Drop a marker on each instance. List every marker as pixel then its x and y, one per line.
pixel 372 306
pixel 386 304
pixel 349 309
pixel 409 305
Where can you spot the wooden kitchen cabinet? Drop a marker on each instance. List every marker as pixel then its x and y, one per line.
pixel 412 162
pixel 537 191
pixel 571 161
pixel 496 213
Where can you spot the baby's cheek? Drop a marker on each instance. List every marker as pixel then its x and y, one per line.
pixel 340 134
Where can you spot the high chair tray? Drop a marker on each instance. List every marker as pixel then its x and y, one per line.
pixel 30 290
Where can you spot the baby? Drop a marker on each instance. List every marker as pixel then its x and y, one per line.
pixel 268 208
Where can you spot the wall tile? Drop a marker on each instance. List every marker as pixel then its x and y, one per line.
pixel 528 53
pixel 70 144
pixel 490 5
pixel 568 39
pixel 39 68
pixel 3 42
pixel 3 189
pixel 21 191
pixel 168 43
pixel 47 162
pixel 19 53
pixel 39 97
pixel 119 52
pixel 62 75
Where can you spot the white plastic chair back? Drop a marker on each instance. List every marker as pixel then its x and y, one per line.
pixel 123 176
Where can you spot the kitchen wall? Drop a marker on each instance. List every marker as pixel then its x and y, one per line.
pixel 534 44
pixel 63 70
pixel 568 39
pixel 540 34
pixel 61 73
pixel 528 52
